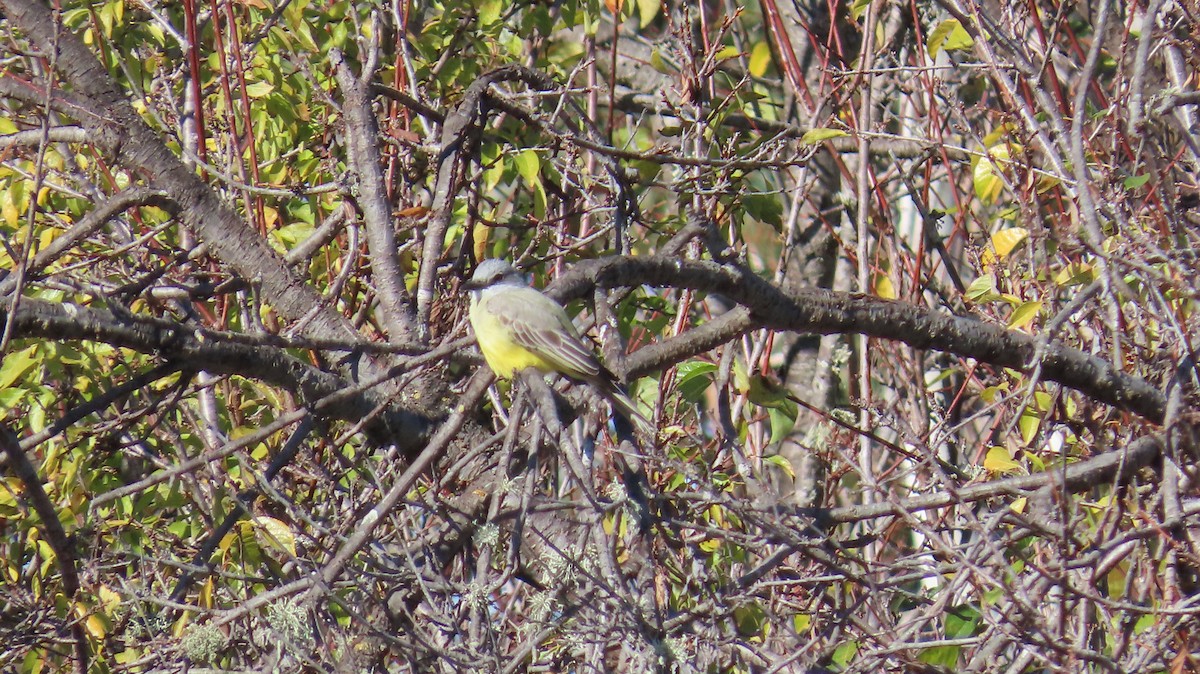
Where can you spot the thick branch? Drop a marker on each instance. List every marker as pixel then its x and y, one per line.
pixel 458 134
pixel 818 311
pixel 193 348
pixel 366 164
pixel 1111 467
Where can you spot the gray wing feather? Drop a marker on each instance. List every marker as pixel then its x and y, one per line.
pixel 540 324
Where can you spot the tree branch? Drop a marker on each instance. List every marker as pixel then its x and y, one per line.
pixel 195 348
pixel 56 535
pixel 365 163
pixel 114 126
pixel 818 311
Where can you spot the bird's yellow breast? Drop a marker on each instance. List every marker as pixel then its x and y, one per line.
pixel 503 355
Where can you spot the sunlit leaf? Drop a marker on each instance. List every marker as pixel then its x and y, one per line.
pixel 647 11
pixel 820 135
pixel 988 183
pixel 1024 314
pixel 1028 424
pixel 983 289
pixel 760 59
pixel 948 35
pixel 1003 244
pixel 884 287
pixel 276 534
pixel 998 460
pixel 844 653
pixel 16 364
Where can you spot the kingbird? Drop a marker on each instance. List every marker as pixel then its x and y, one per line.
pixel 518 327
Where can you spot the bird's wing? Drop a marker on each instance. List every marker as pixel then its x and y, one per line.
pixel 540 324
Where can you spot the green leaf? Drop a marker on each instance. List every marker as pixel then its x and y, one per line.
pixel 941 656
pixel 529 165
pixel 660 64
pixel 858 8
pixel 844 653
pixel 16 364
pixel 782 463
pixel 765 208
pixel 490 12
pixel 949 35
pixel 783 422
pixel 259 89
pixel 1028 424
pixel 961 622
pixel 983 289
pixel 1134 182
pixel 820 135
pixel 1024 315
pixel 694 379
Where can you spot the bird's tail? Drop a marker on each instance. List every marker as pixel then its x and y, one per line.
pixel 628 409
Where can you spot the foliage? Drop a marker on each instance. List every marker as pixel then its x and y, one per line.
pixel 247 432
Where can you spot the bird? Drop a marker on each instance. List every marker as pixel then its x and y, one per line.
pixel 518 327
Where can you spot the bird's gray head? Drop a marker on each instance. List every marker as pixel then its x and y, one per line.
pixel 494 272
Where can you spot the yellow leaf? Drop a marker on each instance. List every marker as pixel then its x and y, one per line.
pixel 647 10
pixel 1003 243
pixel 998 460
pixel 93 623
pixel 1076 273
pixel 270 217
pixel 276 534
pixel 760 59
pixel 987 181
pixel 814 136
pixel 1006 240
pixel 9 210
pixel 948 35
pixel 1018 506
pixel 884 287
pixel 95 626
pixel 206 594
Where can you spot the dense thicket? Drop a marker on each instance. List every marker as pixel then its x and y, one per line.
pixel 908 291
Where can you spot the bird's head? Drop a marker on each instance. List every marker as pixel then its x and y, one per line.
pixel 494 272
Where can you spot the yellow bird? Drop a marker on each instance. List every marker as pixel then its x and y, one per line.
pixel 518 327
